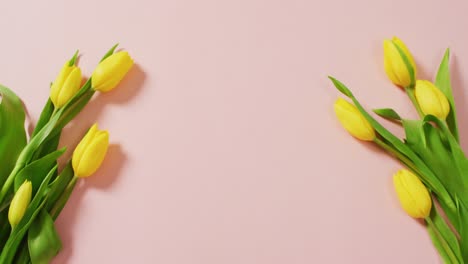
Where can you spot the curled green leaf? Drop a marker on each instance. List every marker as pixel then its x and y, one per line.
pixel 43 240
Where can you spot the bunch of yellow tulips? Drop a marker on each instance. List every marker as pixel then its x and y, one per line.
pixel 436 166
pixel 33 191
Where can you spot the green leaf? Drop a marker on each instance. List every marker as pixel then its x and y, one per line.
pixel 28 152
pixel 37 170
pixel 73 110
pixel 58 186
pixel 49 146
pixel 443 238
pixel 110 52
pixel 388 113
pixel 12 132
pixel 4 227
pixel 341 87
pixel 70 110
pixel 43 240
pixel 44 117
pixel 18 233
pixel 463 219
pixel 442 81
pixel 415 136
pixel 460 160
pixel 431 144
pixel 53 127
pixel 428 142
pixel 22 256
pixel 63 199
pixel 438 244
pixel 410 91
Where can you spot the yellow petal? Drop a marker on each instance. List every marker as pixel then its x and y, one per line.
pixel 90 152
pixel 353 121
pixel 58 83
pixel 412 193
pixel 70 87
pixel 94 155
pixel 431 100
pixel 19 204
pixel 80 149
pixel 111 71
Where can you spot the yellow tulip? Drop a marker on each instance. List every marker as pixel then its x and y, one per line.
pixel 412 193
pixel 90 152
pixel 431 100
pixel 20 203
pixel 111 71
pixel 397 70
pixel 353 121
pixel 65 85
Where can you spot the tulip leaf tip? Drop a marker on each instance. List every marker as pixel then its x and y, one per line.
pixel 110 52
pixel 341 87
pixel 62 150
pixel 74 58
pixel 114 47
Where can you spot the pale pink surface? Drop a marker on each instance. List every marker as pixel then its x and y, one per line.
pixel 226 145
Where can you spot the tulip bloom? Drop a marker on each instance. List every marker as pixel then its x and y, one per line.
pixel 65 85
pixel 90 152
pixel 431 100
pixel 412 193
pixel 399 72
pixel 111 71
pixel 20 203
pixel 353 121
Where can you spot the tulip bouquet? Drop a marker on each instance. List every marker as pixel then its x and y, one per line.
pixel 33 191
pixel 434 185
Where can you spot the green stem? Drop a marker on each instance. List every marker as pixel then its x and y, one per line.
pixel 6 186
pixel 54 112
pixel 57 209
pixel 397 154
pixel 445 245
pixel 23 256
pixel 410 92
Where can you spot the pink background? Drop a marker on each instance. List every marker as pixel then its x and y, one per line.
pixel 225 145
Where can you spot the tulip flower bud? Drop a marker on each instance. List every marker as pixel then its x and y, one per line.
pixel 412 193
pixel 111 71
pixel 90 152
pixel 65 85
pixel 431 100
pixel 20 203
pixel 400 71
pixel 353 121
